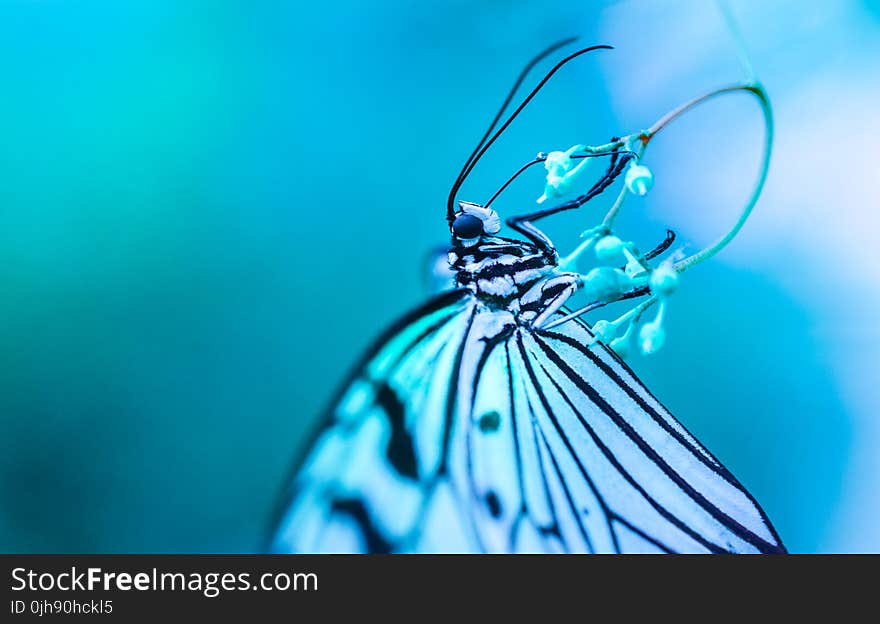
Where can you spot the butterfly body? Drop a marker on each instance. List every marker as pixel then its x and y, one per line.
pixel 503 274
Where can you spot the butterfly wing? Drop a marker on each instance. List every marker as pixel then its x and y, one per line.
pixel 461 432
pixel 587 460
pixel 370 479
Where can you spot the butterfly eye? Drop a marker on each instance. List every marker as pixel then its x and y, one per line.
pixel 466 227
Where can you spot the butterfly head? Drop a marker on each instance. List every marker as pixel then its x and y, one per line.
pixel 472 222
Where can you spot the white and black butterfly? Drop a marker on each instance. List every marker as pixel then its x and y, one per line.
pixel 471 426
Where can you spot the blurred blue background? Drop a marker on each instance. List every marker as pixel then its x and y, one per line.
pixel 209 209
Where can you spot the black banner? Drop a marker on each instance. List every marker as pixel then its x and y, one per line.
pixel 280 588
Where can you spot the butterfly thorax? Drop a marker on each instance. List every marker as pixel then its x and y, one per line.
pixel 500 270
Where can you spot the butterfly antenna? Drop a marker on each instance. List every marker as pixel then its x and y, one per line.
pixel 516 85
pixel 486 141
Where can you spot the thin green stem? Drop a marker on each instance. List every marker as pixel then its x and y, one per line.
pixel 644 137
pixel 758 91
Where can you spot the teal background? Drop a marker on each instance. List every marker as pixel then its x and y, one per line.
pixel 209 209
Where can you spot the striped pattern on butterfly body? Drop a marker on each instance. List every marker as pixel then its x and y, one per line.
pixel 467 430
pixel 498 270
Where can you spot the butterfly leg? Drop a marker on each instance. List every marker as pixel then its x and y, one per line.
pixel 524 224
pixel 543 299
pixel 662 247
pixel 604 284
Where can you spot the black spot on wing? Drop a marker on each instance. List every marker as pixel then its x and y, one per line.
pixel 493 504
pixel 400 452
pixel 355 509
pixel 490 422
